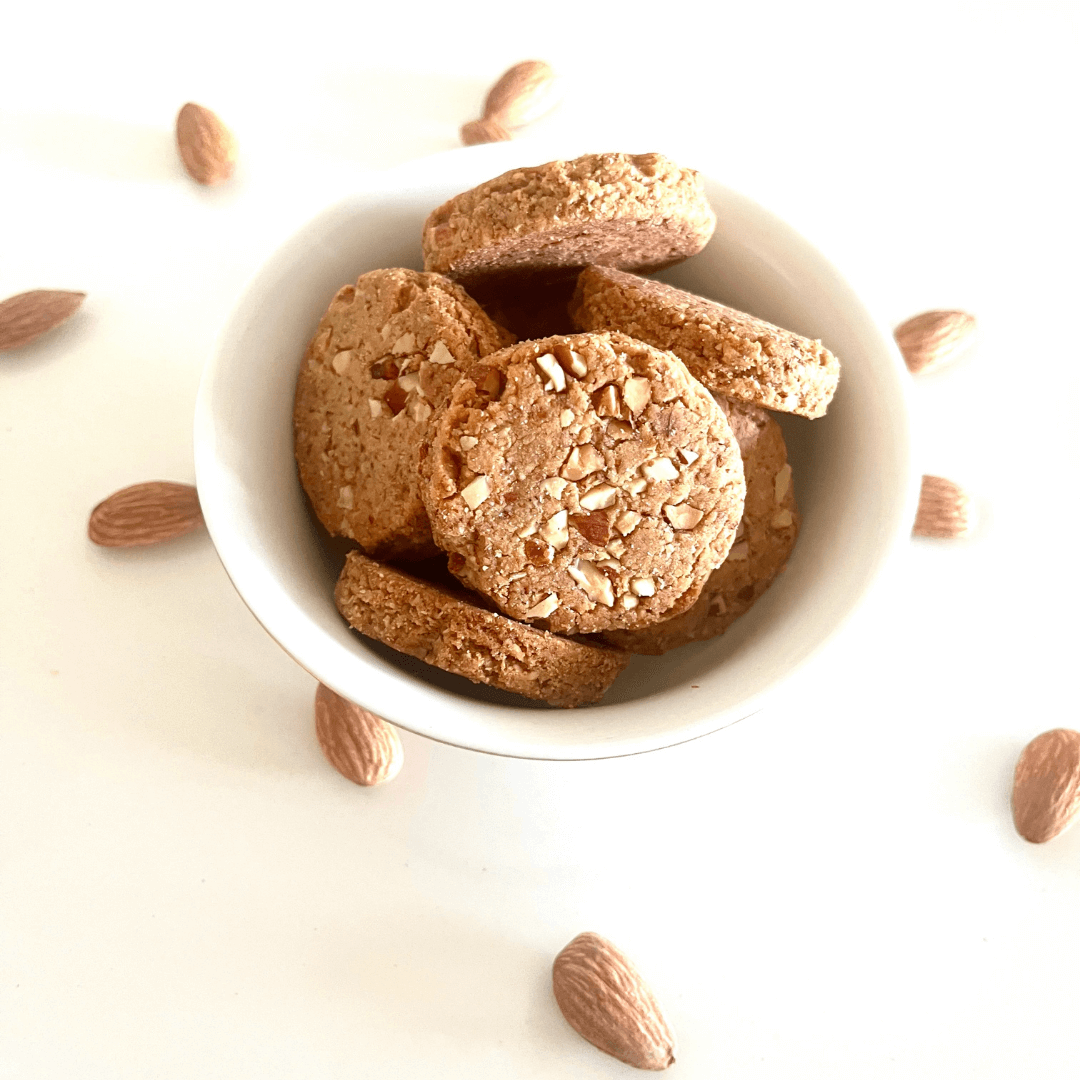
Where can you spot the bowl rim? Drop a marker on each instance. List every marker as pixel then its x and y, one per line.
pixel 232 552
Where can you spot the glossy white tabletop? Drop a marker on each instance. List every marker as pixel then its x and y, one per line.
pixel 830 889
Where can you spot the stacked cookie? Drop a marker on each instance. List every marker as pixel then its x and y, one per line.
pixel 610 484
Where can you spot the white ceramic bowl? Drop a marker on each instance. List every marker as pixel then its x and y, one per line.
pixel 852 474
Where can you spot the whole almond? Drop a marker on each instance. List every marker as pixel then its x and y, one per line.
pixel 944 510
pixel 484 131
pixel 145 514
pixel 934 338
pixel 207 147
pixel 606 1001
pixel 523 93
pixel 363 747
pixel 1046 785
pixel 30 314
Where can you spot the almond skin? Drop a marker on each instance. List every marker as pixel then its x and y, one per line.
pixel 606 1001
pixel 484 131
pixel 363 747
pixel 30 314
pixel 523 93
pixel 1046 785
pixel 934 338
pixel 145 514
pixel 207 147
pixel 944 510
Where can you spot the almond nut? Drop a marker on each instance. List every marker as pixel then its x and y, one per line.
pixel 594 582
pixel 944 510
pixel 599 498
pixel 781 483
pixel 553 370
pixel 637 393
pixel 404 345
pixel 440 354
pixel 484 130
pixel 1046 785
pixel 594 527
pixel 739 552
pixel 522 94
pixel 207 147
pixel 544 608
pixel 537 552
pixel 606 402
pixel 571 361
pixel 934 338
pixel 556 531
pixel 684 516
pixel 145 514
pixel 606 1001
pixel 30 314
pixel 583 461
pixel 363 747
pixel 475 492
pixel 661 469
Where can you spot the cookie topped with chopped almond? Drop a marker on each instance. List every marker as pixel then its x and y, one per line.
pixel 583 482
pixel 763 541
pixel 386 355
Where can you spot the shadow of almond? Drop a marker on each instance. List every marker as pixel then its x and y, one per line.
pixel 429 975
pixel 95 145
pixel 428 110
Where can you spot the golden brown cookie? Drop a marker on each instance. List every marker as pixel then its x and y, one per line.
pixel 585 482
pixel 387 353
pixel 732 353
pixel 446 628
pixel 762 545
pixel 637 211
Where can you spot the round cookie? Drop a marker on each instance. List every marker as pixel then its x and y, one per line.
pixel 762 545
pixel 447 629
pixel 585 482
pixel 386 355
pixel 637 211
pixel 732 353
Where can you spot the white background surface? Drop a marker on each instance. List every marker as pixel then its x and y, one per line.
pixel 830 889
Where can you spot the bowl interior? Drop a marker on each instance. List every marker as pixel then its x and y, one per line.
pixel 851 473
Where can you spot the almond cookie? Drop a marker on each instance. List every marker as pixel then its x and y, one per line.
pixel 586 482
pixel 732 353
pixel 446 628
pixel 763 541
pixel 637 211
pixel 387 353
